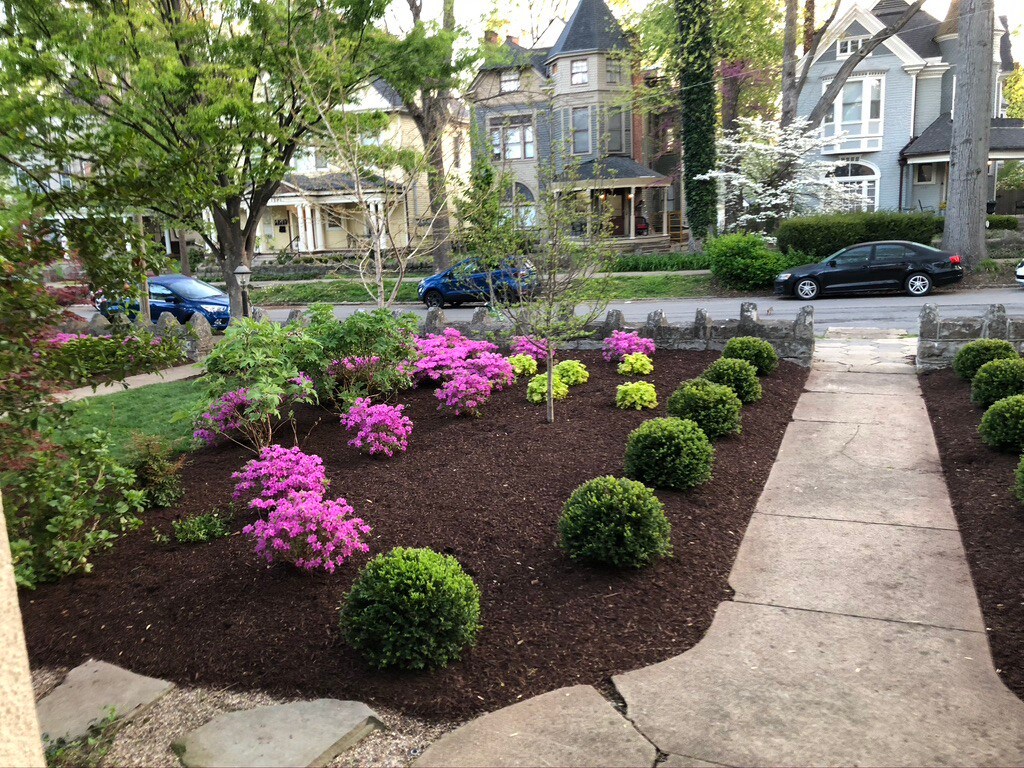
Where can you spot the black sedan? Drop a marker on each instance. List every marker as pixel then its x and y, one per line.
pixel 893 265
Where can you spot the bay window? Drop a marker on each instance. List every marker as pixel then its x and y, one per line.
pixel 512 138
pixel 580 130
pixel 855 118
pixel 578 74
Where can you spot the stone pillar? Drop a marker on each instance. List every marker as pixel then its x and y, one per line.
pixel 994 325
pixel 20 743
pixel 929 322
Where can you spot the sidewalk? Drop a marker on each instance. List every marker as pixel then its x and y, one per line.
pixel 854 636
pixel 132 382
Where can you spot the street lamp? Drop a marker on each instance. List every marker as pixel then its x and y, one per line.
pixel 242 276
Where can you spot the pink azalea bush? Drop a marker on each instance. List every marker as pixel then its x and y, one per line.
pixel 277 473
pixel 442 355
pixel 379 428
pixel 251 416
pixel 464 393
pixel 310 532
pixel 469 370
pixel 224 415
pixel 527 345
pixel 620 344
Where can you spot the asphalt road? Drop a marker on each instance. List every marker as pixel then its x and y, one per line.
pixel 885 311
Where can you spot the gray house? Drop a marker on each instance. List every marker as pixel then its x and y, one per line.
pixel 567 110
pixel 893 122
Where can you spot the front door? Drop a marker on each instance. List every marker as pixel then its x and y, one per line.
pixel 847 270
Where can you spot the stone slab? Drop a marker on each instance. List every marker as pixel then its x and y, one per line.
pixel 892 572
pixel 88 694
pixel 568 727
pixel 303 733
pixel 861 383
pixel 771 686
pixel 905 416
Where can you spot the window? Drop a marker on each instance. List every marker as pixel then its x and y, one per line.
pixel 853 257
pixel 578 72
pixel 159 293
pixel 892 254
pixel 847 46
pixel 925 174
pixel 614 72
pixel 580 130
pixel 319 159
pixel 509 80
pixel 855 119
pixel 334 215
pixel 861 181
pixel 616 138
pixel 512 138
pixel 520 206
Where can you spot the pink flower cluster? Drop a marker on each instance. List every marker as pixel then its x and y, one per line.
pixel 301 527
pixel 527 345
pixel 620 344
pixel 278 472
pixel 309 531
pixel 380 428
pixel 441 356
pixel 465 393
pixel 59 339
pixel 469 370
pixel 224 415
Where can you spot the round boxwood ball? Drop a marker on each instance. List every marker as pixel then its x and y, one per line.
pixel 758 352
pixel 997 379
pixel 669 453
pixel 1002 426
pixel 411 609
pixel 975 354
pixel 714 407
pixel 739 375
pixel 615 522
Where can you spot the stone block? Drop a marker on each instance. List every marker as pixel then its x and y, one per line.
pixel 99 325
pixel 960 329
pixel 929 322
pixel 994 323
pixel 748 318
pixel 701 325
pixel 167 325
pixel 200 337
pixel 296 316
pixel 434 321
pixel 803 326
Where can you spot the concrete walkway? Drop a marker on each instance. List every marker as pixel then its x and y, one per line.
pixel 132 382
pixel 855 635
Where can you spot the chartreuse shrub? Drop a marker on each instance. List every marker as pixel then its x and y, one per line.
pixel 997 379
pixel 199 529
pixel 523 365
pixel 636 395
pixel 822 235
pixel 715 408
pixel 975 354
pixel 669 453
pixel 758 352
pixel 615 522
pixel 537 389
pixel 572 373
pixel 411 609
pixel 739 375
pixel 637 364
pixel 1002 426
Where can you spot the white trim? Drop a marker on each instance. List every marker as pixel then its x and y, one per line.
pixel 850 39
pixel 915 177
pixel 913 104
pixel 873 26
pixel 993 156
pixel 863 181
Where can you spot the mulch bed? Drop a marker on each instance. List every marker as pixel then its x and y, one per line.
pixel 488 491
pixel 991 520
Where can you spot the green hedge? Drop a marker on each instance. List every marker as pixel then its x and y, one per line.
pixel 668 262
pixel 1003 222
pixel 823 235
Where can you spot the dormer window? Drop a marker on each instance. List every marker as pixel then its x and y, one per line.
pixel 847 46
pixel 578 74
pixel 509 80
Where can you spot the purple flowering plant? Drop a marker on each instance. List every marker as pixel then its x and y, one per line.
pixel 379 428
pixel 621 343
pixel 276 473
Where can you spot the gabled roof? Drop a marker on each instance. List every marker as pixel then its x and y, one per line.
pixel 518 56
pixel 874 24
pixel 920 31
pixel 592 27
pixel 389 94
pixel 937 138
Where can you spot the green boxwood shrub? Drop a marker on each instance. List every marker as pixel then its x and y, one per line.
pixel 715 408
pixel 975 354
pixel 411 609
pixel 739 375
pixel 822 235
pixel 1002 426
pixel 1003 222
pixel 636 395
pixel 758 352
pixel 669 453
pixel 572 373
pixel 997 379
pixel 615 522
pixel 744 262
pixel 637 364
pixel 537 389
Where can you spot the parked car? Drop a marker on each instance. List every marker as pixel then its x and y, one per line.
pixel 469 281
pixel 181 296
pixel 892 265
pixel 1020 272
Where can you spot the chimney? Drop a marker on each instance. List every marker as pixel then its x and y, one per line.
pixel 490 36
pixel 513 40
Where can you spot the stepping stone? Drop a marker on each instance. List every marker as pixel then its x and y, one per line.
pixel 569 727
pixel 304 733
pixel 88 694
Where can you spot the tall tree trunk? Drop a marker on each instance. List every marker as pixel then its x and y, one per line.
pixel 186 265
pixel 231 243
pixel 808 24
pixel 437 185
pixel 144 309
pixel 551 380
pixel 790 86
pixel 733 75
pixel 964 231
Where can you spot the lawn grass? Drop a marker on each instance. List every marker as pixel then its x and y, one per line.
pixel 659 287
pixel 332 291
pixel 148 410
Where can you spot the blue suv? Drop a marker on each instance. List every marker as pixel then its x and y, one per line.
pixel 181 296
pixel 469 281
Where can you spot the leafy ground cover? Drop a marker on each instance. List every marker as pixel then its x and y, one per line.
pixel 488 491
pixel 990 518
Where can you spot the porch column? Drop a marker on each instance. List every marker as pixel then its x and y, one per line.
pixel 167 241
pixel 631 200
pixel 300 215
pixel 314 227
pixel 664 211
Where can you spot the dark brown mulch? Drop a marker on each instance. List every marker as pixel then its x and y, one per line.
pixel 488 491
pixel 991 520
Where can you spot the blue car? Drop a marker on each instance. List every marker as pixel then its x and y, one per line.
pixel 181 296
pixel 469 281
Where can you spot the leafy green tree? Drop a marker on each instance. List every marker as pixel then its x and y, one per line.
pixel 188 109
pixel 1013 93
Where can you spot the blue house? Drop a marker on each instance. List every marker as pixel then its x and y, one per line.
pixel 892 124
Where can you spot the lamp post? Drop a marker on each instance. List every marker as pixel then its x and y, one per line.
pixel 242 277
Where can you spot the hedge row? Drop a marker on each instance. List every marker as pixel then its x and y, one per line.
pixel 820 236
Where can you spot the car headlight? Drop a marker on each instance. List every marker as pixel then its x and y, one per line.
pixel 784 276
pixel 419 286
pixel 215 308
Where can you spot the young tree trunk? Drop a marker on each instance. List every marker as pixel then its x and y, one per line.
pixel 232 251
pixel 551 381
pixel 144 308
pixel 964 231
pixel 437 187
pixel 186 265
pixel 790 86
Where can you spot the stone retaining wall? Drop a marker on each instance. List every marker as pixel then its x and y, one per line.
pixel 196 334
pixel 941 338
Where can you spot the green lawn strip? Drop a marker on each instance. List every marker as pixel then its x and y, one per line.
pixel 659 287
pixel 147 409
pixel 330 291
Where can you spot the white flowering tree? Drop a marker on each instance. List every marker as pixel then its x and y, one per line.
pixel 775 172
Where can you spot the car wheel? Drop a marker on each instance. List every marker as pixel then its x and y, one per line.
pixel 919 284
pixel 806 288
pixel 433 299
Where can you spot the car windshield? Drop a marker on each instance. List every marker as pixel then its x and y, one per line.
pixel 196 289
